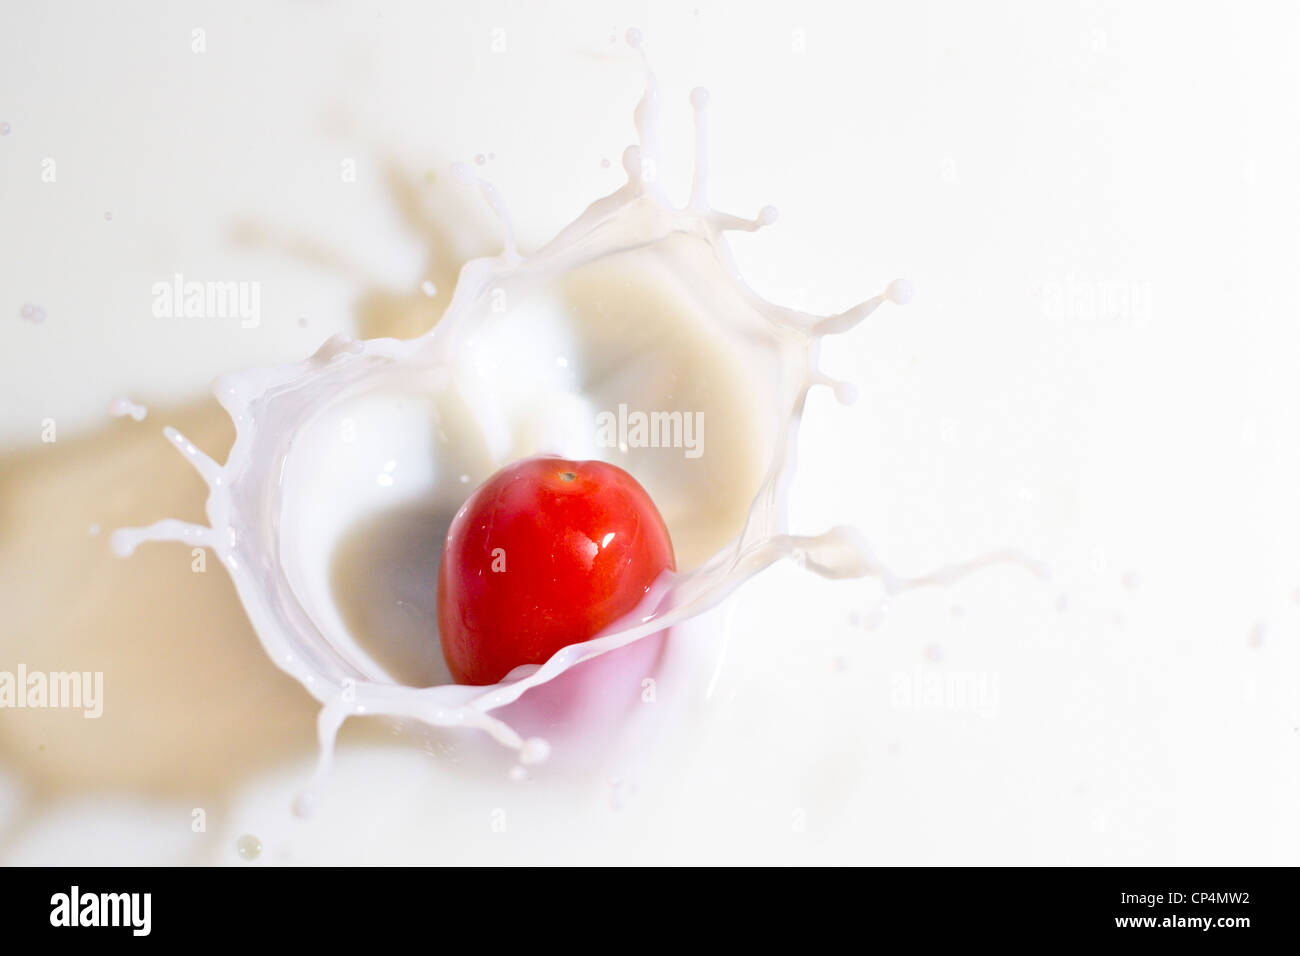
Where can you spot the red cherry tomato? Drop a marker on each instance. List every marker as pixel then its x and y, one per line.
pixel 546 553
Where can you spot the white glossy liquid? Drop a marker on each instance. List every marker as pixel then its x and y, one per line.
pixel 637 301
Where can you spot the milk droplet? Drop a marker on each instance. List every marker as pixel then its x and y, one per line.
pixel 124 407
pixel 122 543
pixel 428 288
pixel 249 847
pixel 534 750
pixel 480 158
pixel 899 292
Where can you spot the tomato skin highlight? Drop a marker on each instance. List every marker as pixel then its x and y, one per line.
pixel 546 553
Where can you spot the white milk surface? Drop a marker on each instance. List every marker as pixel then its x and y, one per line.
pixel 1097 371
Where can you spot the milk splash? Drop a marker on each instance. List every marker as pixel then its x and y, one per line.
pixel 245 503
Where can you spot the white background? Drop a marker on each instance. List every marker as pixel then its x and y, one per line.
pixel 1098 205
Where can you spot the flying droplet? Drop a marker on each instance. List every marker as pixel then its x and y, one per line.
pixel 249 847
pixel 534 750
pixel 899 292
pixel 124 407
